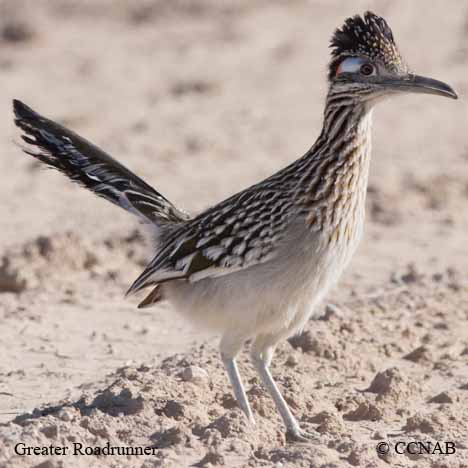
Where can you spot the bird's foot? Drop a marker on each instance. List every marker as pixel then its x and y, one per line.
pixel 248 414
pixel 297 434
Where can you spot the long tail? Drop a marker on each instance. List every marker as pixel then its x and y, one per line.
pixel 91 167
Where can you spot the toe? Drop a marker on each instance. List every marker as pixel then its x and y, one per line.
pixel 299 435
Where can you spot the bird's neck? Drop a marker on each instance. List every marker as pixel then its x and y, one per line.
pixel 335 170
pixel 346 125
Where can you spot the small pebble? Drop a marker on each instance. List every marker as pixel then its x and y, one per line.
pixel 292 360
pixel 67 414
pixel 194 374
pixel 378 435
pixel 50 431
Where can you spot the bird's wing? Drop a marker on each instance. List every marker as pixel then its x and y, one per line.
pixel 238 233
pixel 91 167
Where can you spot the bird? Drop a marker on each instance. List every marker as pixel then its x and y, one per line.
pixel 255 267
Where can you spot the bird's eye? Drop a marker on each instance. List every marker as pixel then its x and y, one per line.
pixel 353 65
pixel 366 69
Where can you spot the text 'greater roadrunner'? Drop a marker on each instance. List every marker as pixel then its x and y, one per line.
pixel 256 265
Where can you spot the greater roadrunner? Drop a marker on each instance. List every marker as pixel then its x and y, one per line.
pixel 256 265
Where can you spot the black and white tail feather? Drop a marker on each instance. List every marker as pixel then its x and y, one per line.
pixel 89 166
pixel 92 168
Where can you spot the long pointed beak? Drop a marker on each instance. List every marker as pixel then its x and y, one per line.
pixel 420 84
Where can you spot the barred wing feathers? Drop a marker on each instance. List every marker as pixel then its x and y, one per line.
pixel 238 233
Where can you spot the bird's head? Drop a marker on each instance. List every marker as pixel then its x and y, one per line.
pixel 366 63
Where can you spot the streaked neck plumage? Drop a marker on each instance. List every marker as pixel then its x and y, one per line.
pixel 346 117
pixel 336 168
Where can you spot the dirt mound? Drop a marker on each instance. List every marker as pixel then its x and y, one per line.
pixel 46 260
pixel 183 410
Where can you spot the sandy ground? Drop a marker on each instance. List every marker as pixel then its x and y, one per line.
pixel 203 98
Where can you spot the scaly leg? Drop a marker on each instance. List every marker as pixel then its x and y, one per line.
pixel 262 354
pixel 229 349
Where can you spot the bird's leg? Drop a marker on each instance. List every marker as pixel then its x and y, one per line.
pixel 261 357
pixel 238 387
pixel 228 353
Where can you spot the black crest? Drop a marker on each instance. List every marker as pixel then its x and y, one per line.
pixel 367 35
